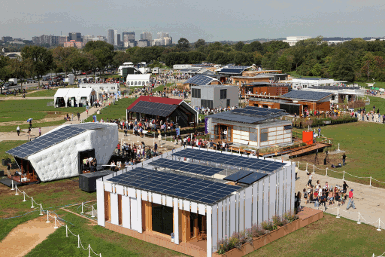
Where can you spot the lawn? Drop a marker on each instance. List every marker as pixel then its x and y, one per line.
pixel 363 143
pixel 102 240
pixel 21 110
pixel 12 128
pixel 114 111
pixel 7 145
pixel 378 102
pixel 42 93
pixel 327 237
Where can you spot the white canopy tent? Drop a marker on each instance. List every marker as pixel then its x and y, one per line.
pixel 74 96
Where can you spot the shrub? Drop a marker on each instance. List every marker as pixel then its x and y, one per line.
pixel 267 225
pixel 277 221
pixel 290 217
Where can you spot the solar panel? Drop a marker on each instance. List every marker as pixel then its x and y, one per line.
pixel 157 109
pixel 45 141
pixel 186 167
pixel 251 178
pixel 199 80
pixel 232 71
pixel 306 95
pixel 237 176
pixel 228 159
pixel 249 114
pixel 175 185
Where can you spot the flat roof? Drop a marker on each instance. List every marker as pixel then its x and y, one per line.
pixel 265 166
pixel 200 80
pixel 335 88
pixel 157 109
pixel 249 114
pixel 181 186
pixel 306 95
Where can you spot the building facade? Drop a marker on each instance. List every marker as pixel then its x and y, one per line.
pixel 214 96
pixel 110 36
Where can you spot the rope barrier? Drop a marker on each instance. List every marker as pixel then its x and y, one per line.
pixel 55 217
pixel 343 172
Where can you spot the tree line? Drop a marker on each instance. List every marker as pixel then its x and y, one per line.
pixel 355 60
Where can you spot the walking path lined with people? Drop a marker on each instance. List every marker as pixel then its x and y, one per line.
pixel 368 200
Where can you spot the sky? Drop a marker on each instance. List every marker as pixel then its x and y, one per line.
pixel 211 20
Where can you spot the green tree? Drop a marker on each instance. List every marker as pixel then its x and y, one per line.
pixel 282 64
pixel 252 47
pixel 199 43
pixel 239 46
pixel 4 71
pixel 103 52
pixel 196 57
pixel 120 58
pixel 40 58
pixel 183 45
pixel 61 57
pixel 274 46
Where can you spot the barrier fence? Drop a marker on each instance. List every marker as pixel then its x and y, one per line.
pixel 342 174
pixel 57 220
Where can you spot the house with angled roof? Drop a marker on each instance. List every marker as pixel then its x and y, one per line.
pixel 59 153
pixel 190 200
pixel 162 108
pixel 250 126
pixel 295 102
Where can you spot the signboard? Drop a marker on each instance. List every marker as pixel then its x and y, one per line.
pixel 177 131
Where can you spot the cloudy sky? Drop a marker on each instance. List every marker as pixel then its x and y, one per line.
pixel 212 20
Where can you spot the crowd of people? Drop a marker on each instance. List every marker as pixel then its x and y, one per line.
pixel 89 164
pixel 326 195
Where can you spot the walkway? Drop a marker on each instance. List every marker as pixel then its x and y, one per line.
pixel 26 236
pixel 368 200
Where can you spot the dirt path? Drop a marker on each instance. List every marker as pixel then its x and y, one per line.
pixel 22 239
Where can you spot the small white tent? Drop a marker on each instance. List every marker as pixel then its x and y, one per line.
pixel 74 96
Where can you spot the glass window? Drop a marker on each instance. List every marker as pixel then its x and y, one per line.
pixel 223 93
pixel 264 130
pixel 253 137
pixel 263 137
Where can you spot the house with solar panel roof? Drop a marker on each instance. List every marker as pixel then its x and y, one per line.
pixel 60 152
pixel 162 108
pixel 296 101
pixel 190 199
pixel 251 126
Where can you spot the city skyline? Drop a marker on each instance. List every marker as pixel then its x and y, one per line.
pixel 210 21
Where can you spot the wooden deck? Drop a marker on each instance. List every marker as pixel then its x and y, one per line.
pixel 308 149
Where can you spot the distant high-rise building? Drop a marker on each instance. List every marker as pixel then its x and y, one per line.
pixel 62 40
pixel 75 36
pixel 119 42
pixel 110 36
pixel 46 40
pixel 162 40
pixel 293 40
pixel 143 43
pixel 146 36
pixel 6 39
pixel 115 37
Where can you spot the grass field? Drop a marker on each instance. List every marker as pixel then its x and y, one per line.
pixel 327 237
pixel 21 110
pixel 363 143
pixel 12 128
pixel 103 241
pixel 117 111
pixel 7 145
pixel 42 93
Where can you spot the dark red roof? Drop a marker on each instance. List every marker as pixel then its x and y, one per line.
pixel 152 99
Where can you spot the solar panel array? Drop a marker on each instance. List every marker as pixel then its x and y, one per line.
pixel 228 159
pixel 239 175
pixel 175 185
pixel 306 95
pixel 45 141
pixel 157 109
pixel 251 178
pixel 186 167
pixel 231 71
pixel 238 67
pixel 199 80
pixel 249 114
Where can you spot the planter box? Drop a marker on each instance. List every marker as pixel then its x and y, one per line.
pixel 265 239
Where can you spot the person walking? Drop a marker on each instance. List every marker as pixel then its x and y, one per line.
pixel 319 131
pixel 351 201
pixel 78 116
pixel 310 179
pixel 18 131
pixel 39 131
pixel 343 159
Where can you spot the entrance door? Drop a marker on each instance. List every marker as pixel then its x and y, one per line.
pixel 81 156
pixel 162 219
